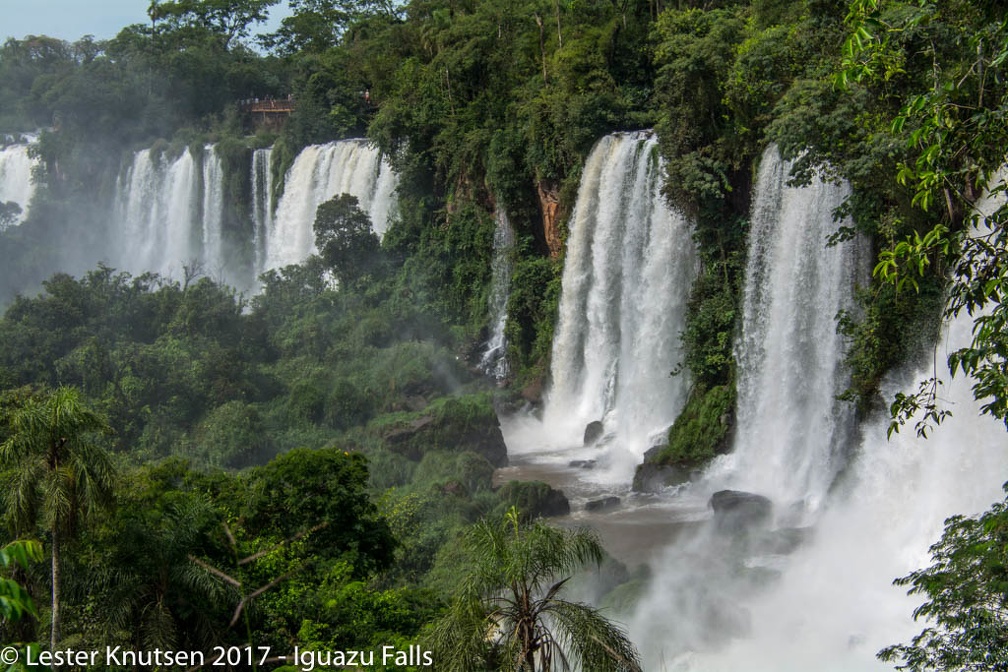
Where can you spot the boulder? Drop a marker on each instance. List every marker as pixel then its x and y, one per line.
pixel 593 432
pixel 461 424
pixel 651 477
pixel 535 498
pixel 602 504
pixel 736 511
pixel 582 464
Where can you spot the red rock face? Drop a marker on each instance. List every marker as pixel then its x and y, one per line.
pixel 549 204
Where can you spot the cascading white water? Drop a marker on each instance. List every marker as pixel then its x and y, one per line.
pixel 157 204
pixel 319 173
pixel 790 426
pixel 757 602
pixel 494 361
pixel 262 203
pixel 15 177
pixel 170 213
pixel 213 211
pixel 631 262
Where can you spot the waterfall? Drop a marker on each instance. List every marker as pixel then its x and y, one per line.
pixel 213 212
pixel 15 177
pixel 494 360
pixel 782 598
pixel 262 204
pixel 156 208
pixel 792 432
pixel 631 261
pixel 319 173
pixel 169 213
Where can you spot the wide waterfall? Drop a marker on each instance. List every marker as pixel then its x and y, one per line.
pixel 319 173
pixel 494 360
pixel 631 262
pixel 169 214
pixel 16 177
pixel 262 203
pixel 811 588
pixel 791 430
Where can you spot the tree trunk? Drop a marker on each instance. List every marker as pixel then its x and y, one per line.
pixel 54 637
pixel 556 4
pixel 542 45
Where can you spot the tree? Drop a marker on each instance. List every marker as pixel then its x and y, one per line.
pixel 951 121
pixel 316 25
pixel 939 71
pixel 58 472
pixel 229 19
pixel 508 615
pixel 966 591
pixel 345 240
pixel 9 211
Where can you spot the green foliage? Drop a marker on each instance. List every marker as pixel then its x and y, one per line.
pixel 145 586
pixel 508 611
pixel 227 19
pixel 964 591
pixel 15 601
pixel 532 307
pixel 425 522
pixel 9 211
pixel 345 240
pixel 56 474
pixel 694 53
pixel 321 493
pixel 946 121
pixel 702 429
pixel 710 331
pixel 465 472
pixel 880 337
pixel 232 435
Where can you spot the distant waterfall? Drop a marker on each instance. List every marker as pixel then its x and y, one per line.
pixel 15 177
pixel 494 360
pixel 631 262
pixel 262 203
pixel 156 210
pixel 170 213
pixel 790 357
pixel 319 173
pixel 212 215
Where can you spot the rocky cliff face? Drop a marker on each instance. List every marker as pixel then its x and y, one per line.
pixel 549 205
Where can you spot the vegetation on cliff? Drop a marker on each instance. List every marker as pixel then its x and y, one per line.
pixel 214 398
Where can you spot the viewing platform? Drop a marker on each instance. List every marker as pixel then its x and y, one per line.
pixel 267 112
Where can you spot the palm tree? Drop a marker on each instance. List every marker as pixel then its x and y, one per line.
pixel 508 613
pixel 58 473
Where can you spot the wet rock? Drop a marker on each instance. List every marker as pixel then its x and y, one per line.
pixel 465 423
pixel 593 432
pixel 532 393
pixel 535 498
pixel 582 464
pixel 736 511
pixel 602 504
pixel 651 477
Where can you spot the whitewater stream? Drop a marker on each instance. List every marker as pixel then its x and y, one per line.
pixel 810 586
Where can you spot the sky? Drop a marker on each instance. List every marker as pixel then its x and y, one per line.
pixel 72 19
